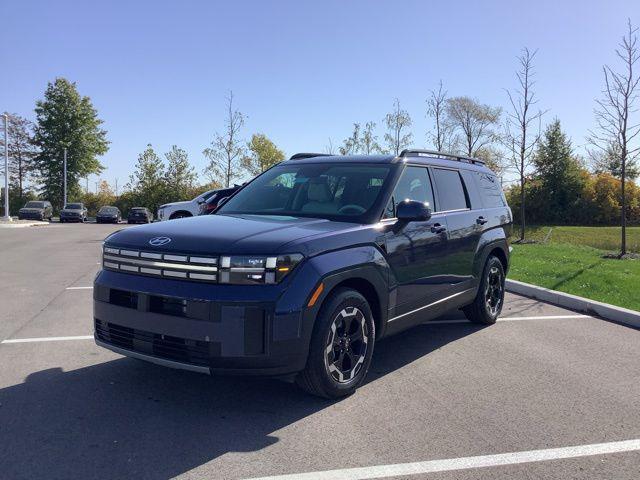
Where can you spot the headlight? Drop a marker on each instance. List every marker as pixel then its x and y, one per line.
pixel 257 270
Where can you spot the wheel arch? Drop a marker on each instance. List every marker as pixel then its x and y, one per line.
pixel 184 213
pixel 365 288
pixel 499 252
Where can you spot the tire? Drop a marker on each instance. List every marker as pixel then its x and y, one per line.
pixel 345 309
pixel 488 303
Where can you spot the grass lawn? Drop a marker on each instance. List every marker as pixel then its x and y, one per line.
pixel 579 270
pixel 603 238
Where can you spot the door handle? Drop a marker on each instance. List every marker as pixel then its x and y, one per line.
pixel 437 228
pixel 481 220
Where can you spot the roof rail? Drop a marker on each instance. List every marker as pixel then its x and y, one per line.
pixel 408 152
pixel 299 156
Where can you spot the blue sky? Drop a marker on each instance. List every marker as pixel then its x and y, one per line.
pixel 302 72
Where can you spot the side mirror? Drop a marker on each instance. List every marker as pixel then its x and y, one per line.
pixel 413 211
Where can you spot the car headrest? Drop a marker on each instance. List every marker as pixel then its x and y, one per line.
pixel 318 191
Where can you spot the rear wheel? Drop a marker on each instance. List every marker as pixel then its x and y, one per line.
pixel 341 346
pixel 487 305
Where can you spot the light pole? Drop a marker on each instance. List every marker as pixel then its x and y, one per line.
pixel 64 203
pixel 7 217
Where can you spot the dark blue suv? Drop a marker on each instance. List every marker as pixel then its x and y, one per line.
pixel 301 271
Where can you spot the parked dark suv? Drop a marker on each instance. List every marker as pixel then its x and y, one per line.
pixel 139 215
pixel 304 269
pixel 36 210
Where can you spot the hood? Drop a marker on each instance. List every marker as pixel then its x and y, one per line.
pixel 227 234
pixel 71 210
pixel 31 210
pixel 176 204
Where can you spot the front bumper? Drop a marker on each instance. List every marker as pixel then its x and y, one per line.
pixel 30 215
pixel 71 218
pixel 228 329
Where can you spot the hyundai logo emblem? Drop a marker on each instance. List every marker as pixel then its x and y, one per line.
pixel 159 241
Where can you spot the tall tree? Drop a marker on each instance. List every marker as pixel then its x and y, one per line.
pixel 519 140
pixel 352 144
pixel 442 136
pixel 179 175
pixel 147 183
pixel 22 151
pixel 475 121
pixel 65 119
pixel 558 173
pixel 263 154
pixel 227 149
pixel 369 140
pixel 613 116
pixel 398 122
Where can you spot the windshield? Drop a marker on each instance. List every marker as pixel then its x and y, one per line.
pixel 108 210
pixel 34 205
pixel 340 192
pixel 73 206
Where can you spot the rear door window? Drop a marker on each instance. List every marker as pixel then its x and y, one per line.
pixel 451 193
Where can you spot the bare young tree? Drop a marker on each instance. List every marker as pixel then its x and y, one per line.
pixel 398 121
pixel 369 140
pixel 518 139
pixel 329 149
pixel 475 121
pixel 442 135
pixel 227 149
pixel 352 144
pixel 613 115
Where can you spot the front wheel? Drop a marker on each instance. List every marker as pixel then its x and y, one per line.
pixel 341 346
pixel 487 305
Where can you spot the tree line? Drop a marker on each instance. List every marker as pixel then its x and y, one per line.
pixel 551 180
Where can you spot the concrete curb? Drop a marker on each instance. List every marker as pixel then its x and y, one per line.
pixel 22 224
pixel 574 302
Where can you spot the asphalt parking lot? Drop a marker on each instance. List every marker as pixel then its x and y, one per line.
pixel 542 378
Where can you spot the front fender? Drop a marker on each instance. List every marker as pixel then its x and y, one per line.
pixel 361 263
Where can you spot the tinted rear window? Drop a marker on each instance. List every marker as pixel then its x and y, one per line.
pixel 34 205
pixel 451 195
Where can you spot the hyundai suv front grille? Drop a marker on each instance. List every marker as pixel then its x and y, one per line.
pixel 176 266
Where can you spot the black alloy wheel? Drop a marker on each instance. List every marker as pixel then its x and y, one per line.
pixel 493 291
pixel 341 346
pixel 487 305
pixel 346 346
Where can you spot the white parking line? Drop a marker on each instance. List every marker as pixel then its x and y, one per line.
pixel 464 463
pixel 47 339
pixel 79 288
pixel 510 319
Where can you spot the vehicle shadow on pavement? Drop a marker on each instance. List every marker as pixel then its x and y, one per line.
pixel 129 419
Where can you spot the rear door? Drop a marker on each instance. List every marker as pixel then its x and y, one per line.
pixel 454 203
